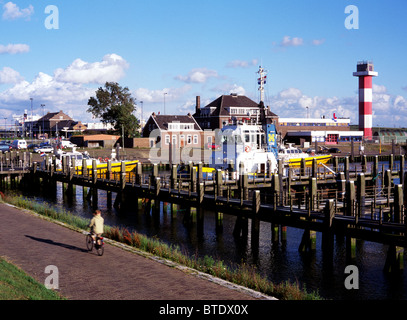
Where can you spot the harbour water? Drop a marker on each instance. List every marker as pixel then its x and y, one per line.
pixel 279 262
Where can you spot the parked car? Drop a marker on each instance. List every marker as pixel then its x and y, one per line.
pixel 44 144
pixel 310 150
pixel 323 149
pixel 32 146
pixel 19 144
pixel 45 149
pixel 334 150
pixel 67 144
pixel 4 147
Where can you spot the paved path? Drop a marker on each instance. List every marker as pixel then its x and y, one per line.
pixel 33 243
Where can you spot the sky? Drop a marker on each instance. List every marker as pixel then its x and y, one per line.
pixel 168 52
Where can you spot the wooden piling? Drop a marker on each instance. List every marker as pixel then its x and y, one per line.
pixel 361 194
pixel 394 260
pixel 94 172
pixel 308 241
pixel 276 190
pixel 398 203
pixel 313 193
pixel 303 167
pixel 275 233
pixel 364 164
pixel 336 164
pixel 347 168
pixel 218 182
pixel 387 185
pixel 350 198
pixel 255 234
pixel 193 178
pixel 375 171
pixel 328 233
pixel 314 168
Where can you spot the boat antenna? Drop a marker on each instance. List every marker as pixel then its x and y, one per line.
pixel 262 81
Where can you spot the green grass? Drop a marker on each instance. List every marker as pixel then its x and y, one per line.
pixel 243 274
pixel 15 284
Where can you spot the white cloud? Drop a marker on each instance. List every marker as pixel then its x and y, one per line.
pixel 14 48
pixel 187 107
pixel 239 90
pixel 111 68
pixel 157 96
pixel 242 63
pixel 291 42
pixel 64 90
pixel 8 75
pixel 199 75
pixel 46 88
pixel 388 110
pixel 291 93
pixel 378 88
pixel 318 42
pixel 230 88
pixel 400 103
pixel 12 11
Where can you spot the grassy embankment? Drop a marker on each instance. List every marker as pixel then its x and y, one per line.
pixel 15 284
pixel 243 274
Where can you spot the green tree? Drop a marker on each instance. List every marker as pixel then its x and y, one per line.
pixel 115 105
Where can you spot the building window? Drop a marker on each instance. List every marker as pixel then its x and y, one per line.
pixel 167 139
pixel 189 139
pixel 195 139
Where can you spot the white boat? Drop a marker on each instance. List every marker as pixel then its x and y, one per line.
pixel 75 159
pixel 252 145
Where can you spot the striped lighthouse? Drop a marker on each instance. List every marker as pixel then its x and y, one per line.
pixel 365 72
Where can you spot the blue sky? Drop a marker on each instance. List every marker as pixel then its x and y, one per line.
pixel 206 48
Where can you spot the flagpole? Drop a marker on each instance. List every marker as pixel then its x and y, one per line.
pixel 261 82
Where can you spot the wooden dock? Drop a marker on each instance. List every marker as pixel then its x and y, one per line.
pixel 353 204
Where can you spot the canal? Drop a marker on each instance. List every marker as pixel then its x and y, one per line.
pixel 279 262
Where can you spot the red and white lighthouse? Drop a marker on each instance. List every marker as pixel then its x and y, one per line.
pixel 365 72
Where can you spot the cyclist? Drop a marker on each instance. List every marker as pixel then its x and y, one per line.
pixel 96 225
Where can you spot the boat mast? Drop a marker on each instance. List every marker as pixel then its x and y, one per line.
pixel 261 81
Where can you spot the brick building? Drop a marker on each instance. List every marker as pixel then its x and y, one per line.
pixel 176 130
pixel 230 109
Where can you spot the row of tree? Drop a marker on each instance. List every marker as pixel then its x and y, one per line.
pixel 115 105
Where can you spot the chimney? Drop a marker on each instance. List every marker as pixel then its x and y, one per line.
pixel 198 105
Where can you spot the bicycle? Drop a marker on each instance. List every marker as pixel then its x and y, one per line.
pixel 99 244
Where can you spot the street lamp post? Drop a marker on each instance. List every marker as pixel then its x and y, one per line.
pixel 31 126
pixel 141 119
pixel 380 141
pixel 5 126
pixel 164 101
pixel 43 114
